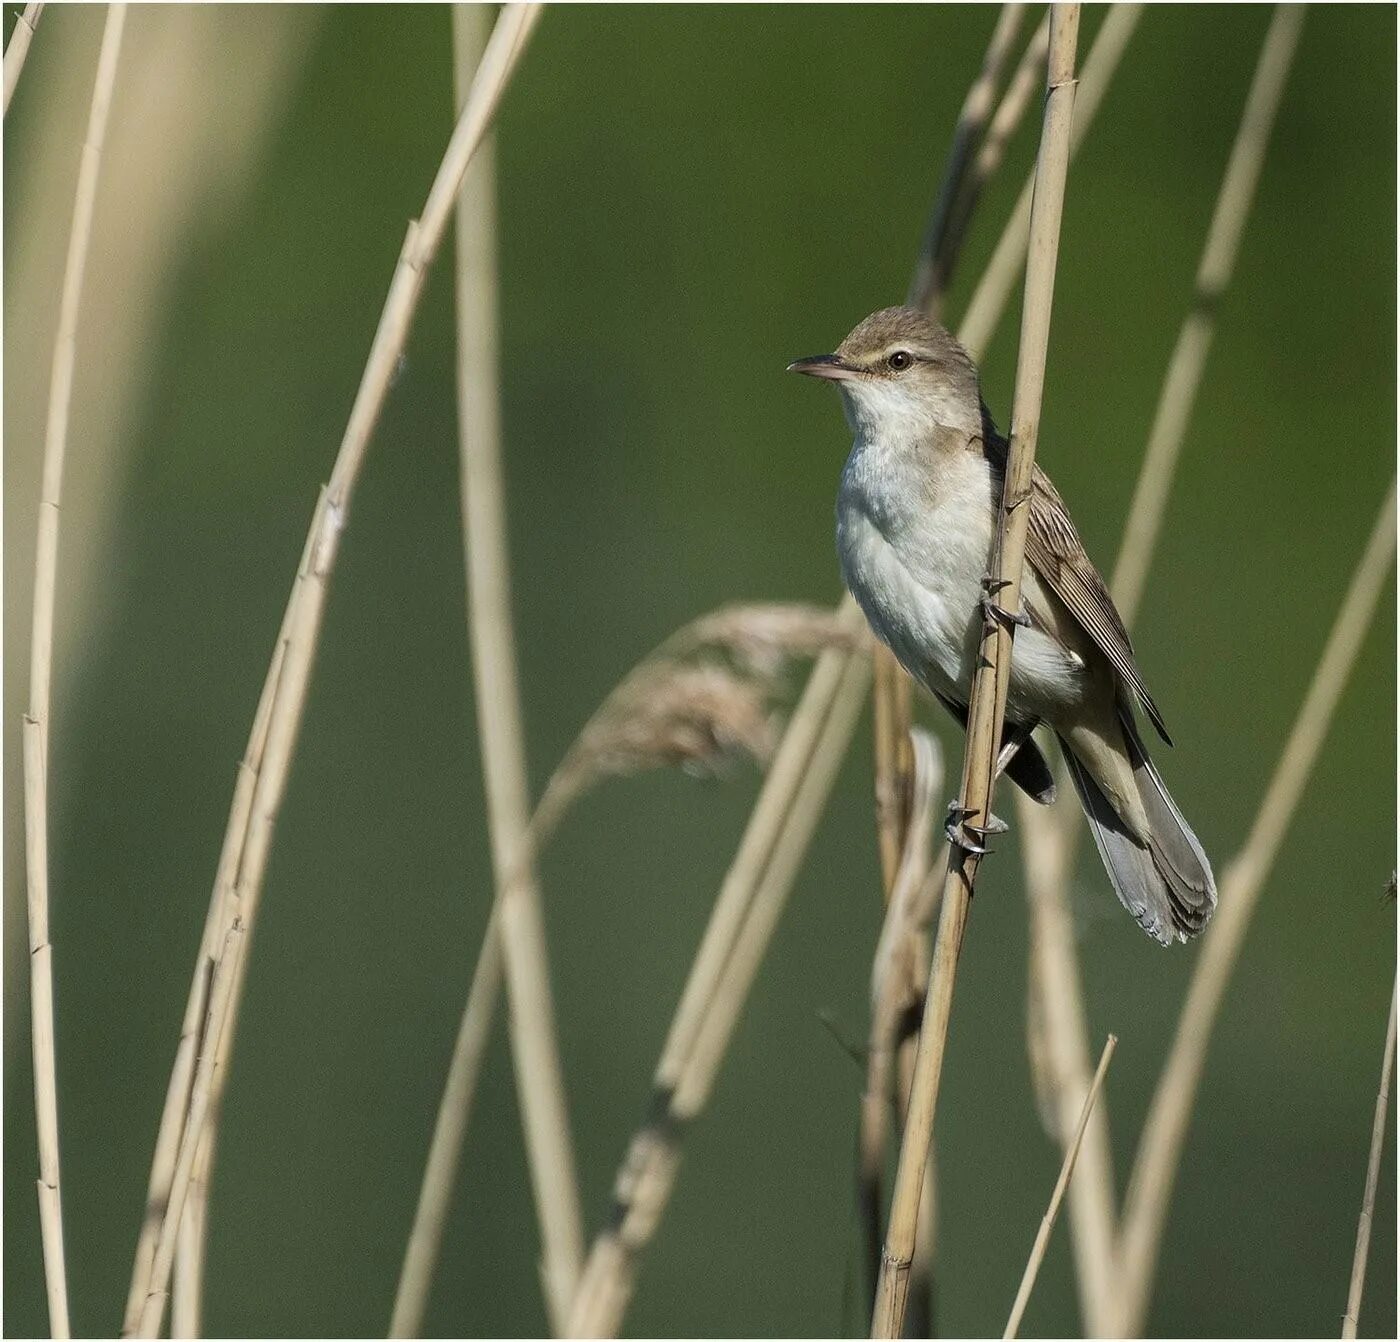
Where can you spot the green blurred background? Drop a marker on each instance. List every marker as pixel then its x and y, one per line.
pixel 690 197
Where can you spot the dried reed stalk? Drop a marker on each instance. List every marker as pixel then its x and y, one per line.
pixel 18 51
pixel 518 926
pixel 803 748
pixel 948 226
pixel 1047 1222
pixel 1373 1169
pixel 1164 1133
pixel 936 254
pixel 1213 276
pixel 177 1096
pixel 898 973
pixel 988 694
pixel 667 711
pixel 534 1040
pixel 977 150
pixel 999 279
pixel 1050 837
pixel 648 1172
pixel 35 730
pixel 303 620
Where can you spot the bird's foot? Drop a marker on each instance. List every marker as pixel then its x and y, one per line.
pixel 971 838
pixel 998 614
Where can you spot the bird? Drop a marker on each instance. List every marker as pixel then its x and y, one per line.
pixel 916 523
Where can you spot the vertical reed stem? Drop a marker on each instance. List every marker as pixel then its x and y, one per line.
pixel 35 731
pixel 1164 1133
pixel 988 695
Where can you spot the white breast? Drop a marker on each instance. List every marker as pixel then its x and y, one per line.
pixel 914 552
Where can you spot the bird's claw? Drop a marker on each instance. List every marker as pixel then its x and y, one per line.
pixel 1000 615
pixel 970 838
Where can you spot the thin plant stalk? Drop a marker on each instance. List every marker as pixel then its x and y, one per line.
pixel 177 1095
pixel 963 177
pixel 897 977
pixel 18 51
pixel 1373 1170
pixel 517 923
pixel 948 226
pixel 978 143
pixel 507 44
pixel 35 730
pixel 803 748
pixel 534 1041
pixel 1164 1133
pixel 999 279
pixel 1050 838
pixel 987 700
pixel 653 1159
pixel 1047 1222
pixel 1213 276
pixel 449 1132
pixel 934 267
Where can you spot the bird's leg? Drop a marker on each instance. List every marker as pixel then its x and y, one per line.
pixel 956 827
pixel 1016 734
pixel 970 838
pixel 996 613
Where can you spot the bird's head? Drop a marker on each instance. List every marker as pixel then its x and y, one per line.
pixel 901 374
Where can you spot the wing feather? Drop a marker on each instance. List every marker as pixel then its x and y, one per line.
pixel 1054 548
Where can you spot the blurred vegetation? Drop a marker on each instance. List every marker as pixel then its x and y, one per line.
pixel 690 197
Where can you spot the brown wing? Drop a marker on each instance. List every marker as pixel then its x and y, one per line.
pixel 1054 548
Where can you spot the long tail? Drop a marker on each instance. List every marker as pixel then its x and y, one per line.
pixel 1161 874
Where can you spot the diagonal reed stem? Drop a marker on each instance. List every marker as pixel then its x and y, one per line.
pixel 18 51
pixel 1047 1222
pixel 999 279
pixel 1164 1133
pixel 979 143
pixel 515 924
pixel 1373 1169
pixel 35 729
pixel 1050 837
pixel 289 679
pixel 987 700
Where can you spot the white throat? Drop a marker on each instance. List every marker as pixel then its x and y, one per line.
pixel 883 411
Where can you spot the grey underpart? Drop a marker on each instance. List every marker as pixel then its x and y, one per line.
pixel 1027 767
pixel 1164 880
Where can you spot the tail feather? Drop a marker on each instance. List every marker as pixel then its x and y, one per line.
pixel 1162 878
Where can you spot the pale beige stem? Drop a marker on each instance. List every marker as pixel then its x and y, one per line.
pixel 775 799
pixel 802 749
pixel 999 279
pixel 177 1095
pixel 1047 1222
pixel 35 729
pixel 517 920
pixel 1217 267
pixel 1025 83
pixel 1063 1076
pixel 1051 838
pixel 897 975
pixel 648 1173
pixel 18 51
pixel 937 253
pixel 449 1132
pixel 987 702
pixel 1164 1133
pixel 308 599
pixel 1373 1170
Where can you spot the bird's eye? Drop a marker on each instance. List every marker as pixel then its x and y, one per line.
pixel 900 360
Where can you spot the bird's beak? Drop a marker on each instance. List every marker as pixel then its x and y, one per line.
pixel 829 366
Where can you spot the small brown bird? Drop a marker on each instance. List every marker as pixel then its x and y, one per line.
pixel 915 526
